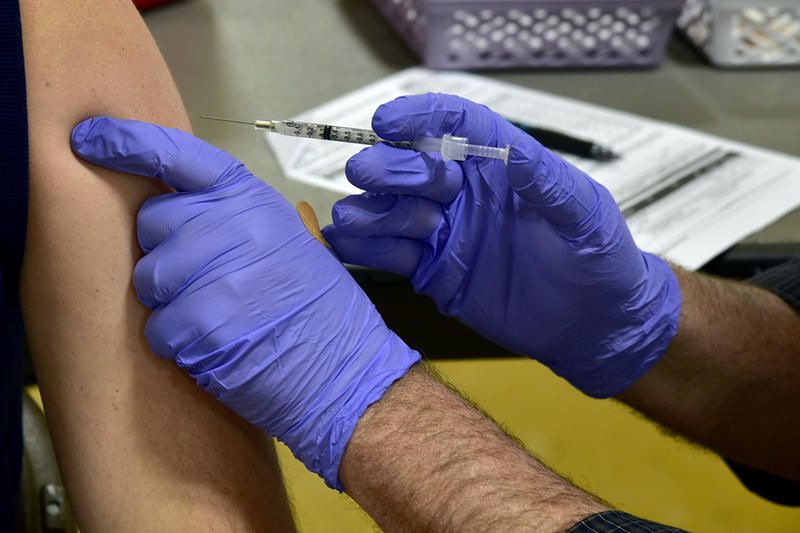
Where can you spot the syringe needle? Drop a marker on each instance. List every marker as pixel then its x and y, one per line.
pixel 207 117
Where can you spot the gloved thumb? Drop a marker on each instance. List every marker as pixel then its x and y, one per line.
pixel 562 194
pixel 410 118
pixel 179 159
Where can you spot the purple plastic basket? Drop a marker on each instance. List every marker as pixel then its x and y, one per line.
pixel 506 34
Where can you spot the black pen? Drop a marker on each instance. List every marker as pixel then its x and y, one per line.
pixel 562 142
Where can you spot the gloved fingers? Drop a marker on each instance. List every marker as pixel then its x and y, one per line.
pixel 565 196
pixel 409 118
pixel 386 169
pixel 159 331
pixel 185 331
pixel 158 337
pixel 155 279
pixel 181 160
pixel 391 254
pixel 162 273
pixel 379 215
pixel 168 330
pixel 162 215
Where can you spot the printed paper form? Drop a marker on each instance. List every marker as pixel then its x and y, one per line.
pixel 686 195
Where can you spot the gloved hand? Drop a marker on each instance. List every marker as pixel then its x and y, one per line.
pixel 260 314
pixel 535 255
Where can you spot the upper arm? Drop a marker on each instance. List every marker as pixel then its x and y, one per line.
pixel 140 446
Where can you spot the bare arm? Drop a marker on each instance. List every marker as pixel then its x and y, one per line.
pixel 423 459
pixel 730 378
pixel 140 446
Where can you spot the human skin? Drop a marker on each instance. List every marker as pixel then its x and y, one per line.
pixel 140 446
pixel 424 459
pixel 729 378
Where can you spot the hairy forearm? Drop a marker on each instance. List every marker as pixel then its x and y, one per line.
pixel 729 380
pixel 423 459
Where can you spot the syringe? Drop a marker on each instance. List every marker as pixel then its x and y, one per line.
pixel 455 148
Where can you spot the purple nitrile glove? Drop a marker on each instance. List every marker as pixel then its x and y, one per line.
pixel 260 314
pixel 535 255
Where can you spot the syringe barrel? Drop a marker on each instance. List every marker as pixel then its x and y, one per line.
pixel 428 144
pixel 489 151
pixel 458 148
pixel 451 148
pixel 312 130
pixel 454 148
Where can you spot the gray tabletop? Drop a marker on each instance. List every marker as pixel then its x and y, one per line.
pixel 277 58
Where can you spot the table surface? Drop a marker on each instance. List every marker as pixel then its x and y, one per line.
pixel 275 59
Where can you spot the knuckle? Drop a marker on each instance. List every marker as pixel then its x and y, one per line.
pixel 234 171
pixel 163 164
